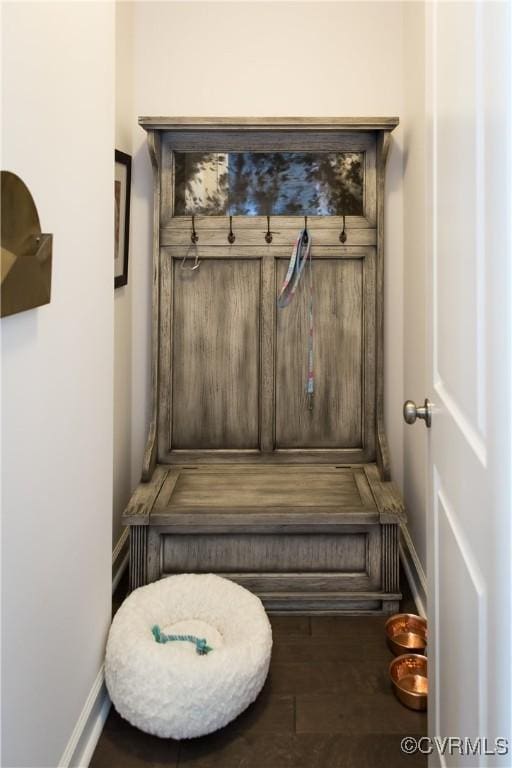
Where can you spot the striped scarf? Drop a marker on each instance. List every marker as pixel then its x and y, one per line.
pixel 301 255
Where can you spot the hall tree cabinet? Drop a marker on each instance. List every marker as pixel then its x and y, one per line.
pixel 244 475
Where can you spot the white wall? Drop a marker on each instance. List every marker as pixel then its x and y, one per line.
pixel 414 276
pixel 58 135
pixel 243 59
pixel 123 296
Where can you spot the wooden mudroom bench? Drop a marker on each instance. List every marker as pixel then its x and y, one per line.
pixel 243 474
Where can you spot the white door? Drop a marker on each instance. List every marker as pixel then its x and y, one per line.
pixel 468 86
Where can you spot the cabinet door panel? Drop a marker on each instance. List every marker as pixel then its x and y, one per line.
pixel 336 418
pixel 216 355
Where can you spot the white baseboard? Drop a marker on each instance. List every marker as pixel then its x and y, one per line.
pixel 414 571
pixel 120 558
pixel 89 726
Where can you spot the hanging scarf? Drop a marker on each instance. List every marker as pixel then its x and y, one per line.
pixel 301 255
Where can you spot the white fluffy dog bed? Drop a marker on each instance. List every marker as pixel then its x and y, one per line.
pixel 171 689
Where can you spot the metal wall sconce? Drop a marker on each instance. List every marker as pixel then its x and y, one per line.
pixel 26 264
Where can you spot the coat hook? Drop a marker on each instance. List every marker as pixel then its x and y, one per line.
pixel 231 236
pixel 194 237
pixel 306 236
pixel 268 235
pixel 343 235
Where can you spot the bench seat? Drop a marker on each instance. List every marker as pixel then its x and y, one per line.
pixel 305 538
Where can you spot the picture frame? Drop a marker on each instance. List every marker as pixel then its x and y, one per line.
pixel 122 186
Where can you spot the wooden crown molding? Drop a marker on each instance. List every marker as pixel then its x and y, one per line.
pixel 269 123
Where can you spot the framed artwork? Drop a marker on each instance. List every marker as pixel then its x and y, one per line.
pixel 122 182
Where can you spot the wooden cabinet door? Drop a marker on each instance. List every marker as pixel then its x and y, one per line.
pixel 233 366
pixel 342 334
pixel 214 361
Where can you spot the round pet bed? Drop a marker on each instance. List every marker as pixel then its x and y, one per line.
pixel 187 654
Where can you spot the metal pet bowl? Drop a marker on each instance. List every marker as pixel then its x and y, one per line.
pixel 406 633
pixel 409 678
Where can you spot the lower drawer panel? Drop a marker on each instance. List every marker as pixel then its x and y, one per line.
pixel 268 553
pixel 351 569
pixel 355 552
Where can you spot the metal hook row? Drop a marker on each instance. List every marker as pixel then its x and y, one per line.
pixel 194 237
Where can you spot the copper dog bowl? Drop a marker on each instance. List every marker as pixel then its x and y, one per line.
pixel 406 633
pixel 409 677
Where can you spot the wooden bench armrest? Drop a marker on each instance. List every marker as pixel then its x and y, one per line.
pixel 143 498
pixel 387 497
pixel 150 454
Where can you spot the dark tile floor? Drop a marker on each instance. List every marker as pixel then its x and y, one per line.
pixel 327 703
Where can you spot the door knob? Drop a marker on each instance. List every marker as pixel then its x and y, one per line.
pixel 413 412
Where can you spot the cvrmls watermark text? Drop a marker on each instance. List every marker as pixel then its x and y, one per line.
pixel 455 745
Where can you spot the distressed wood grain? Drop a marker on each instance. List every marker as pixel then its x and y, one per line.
pixel 216 355
pixel 271 123
pixel 143 498
pixel 336 417
pixel 210 236
pixel 151 449
pixel 264 553
pixel 243 479
pixel 265 488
